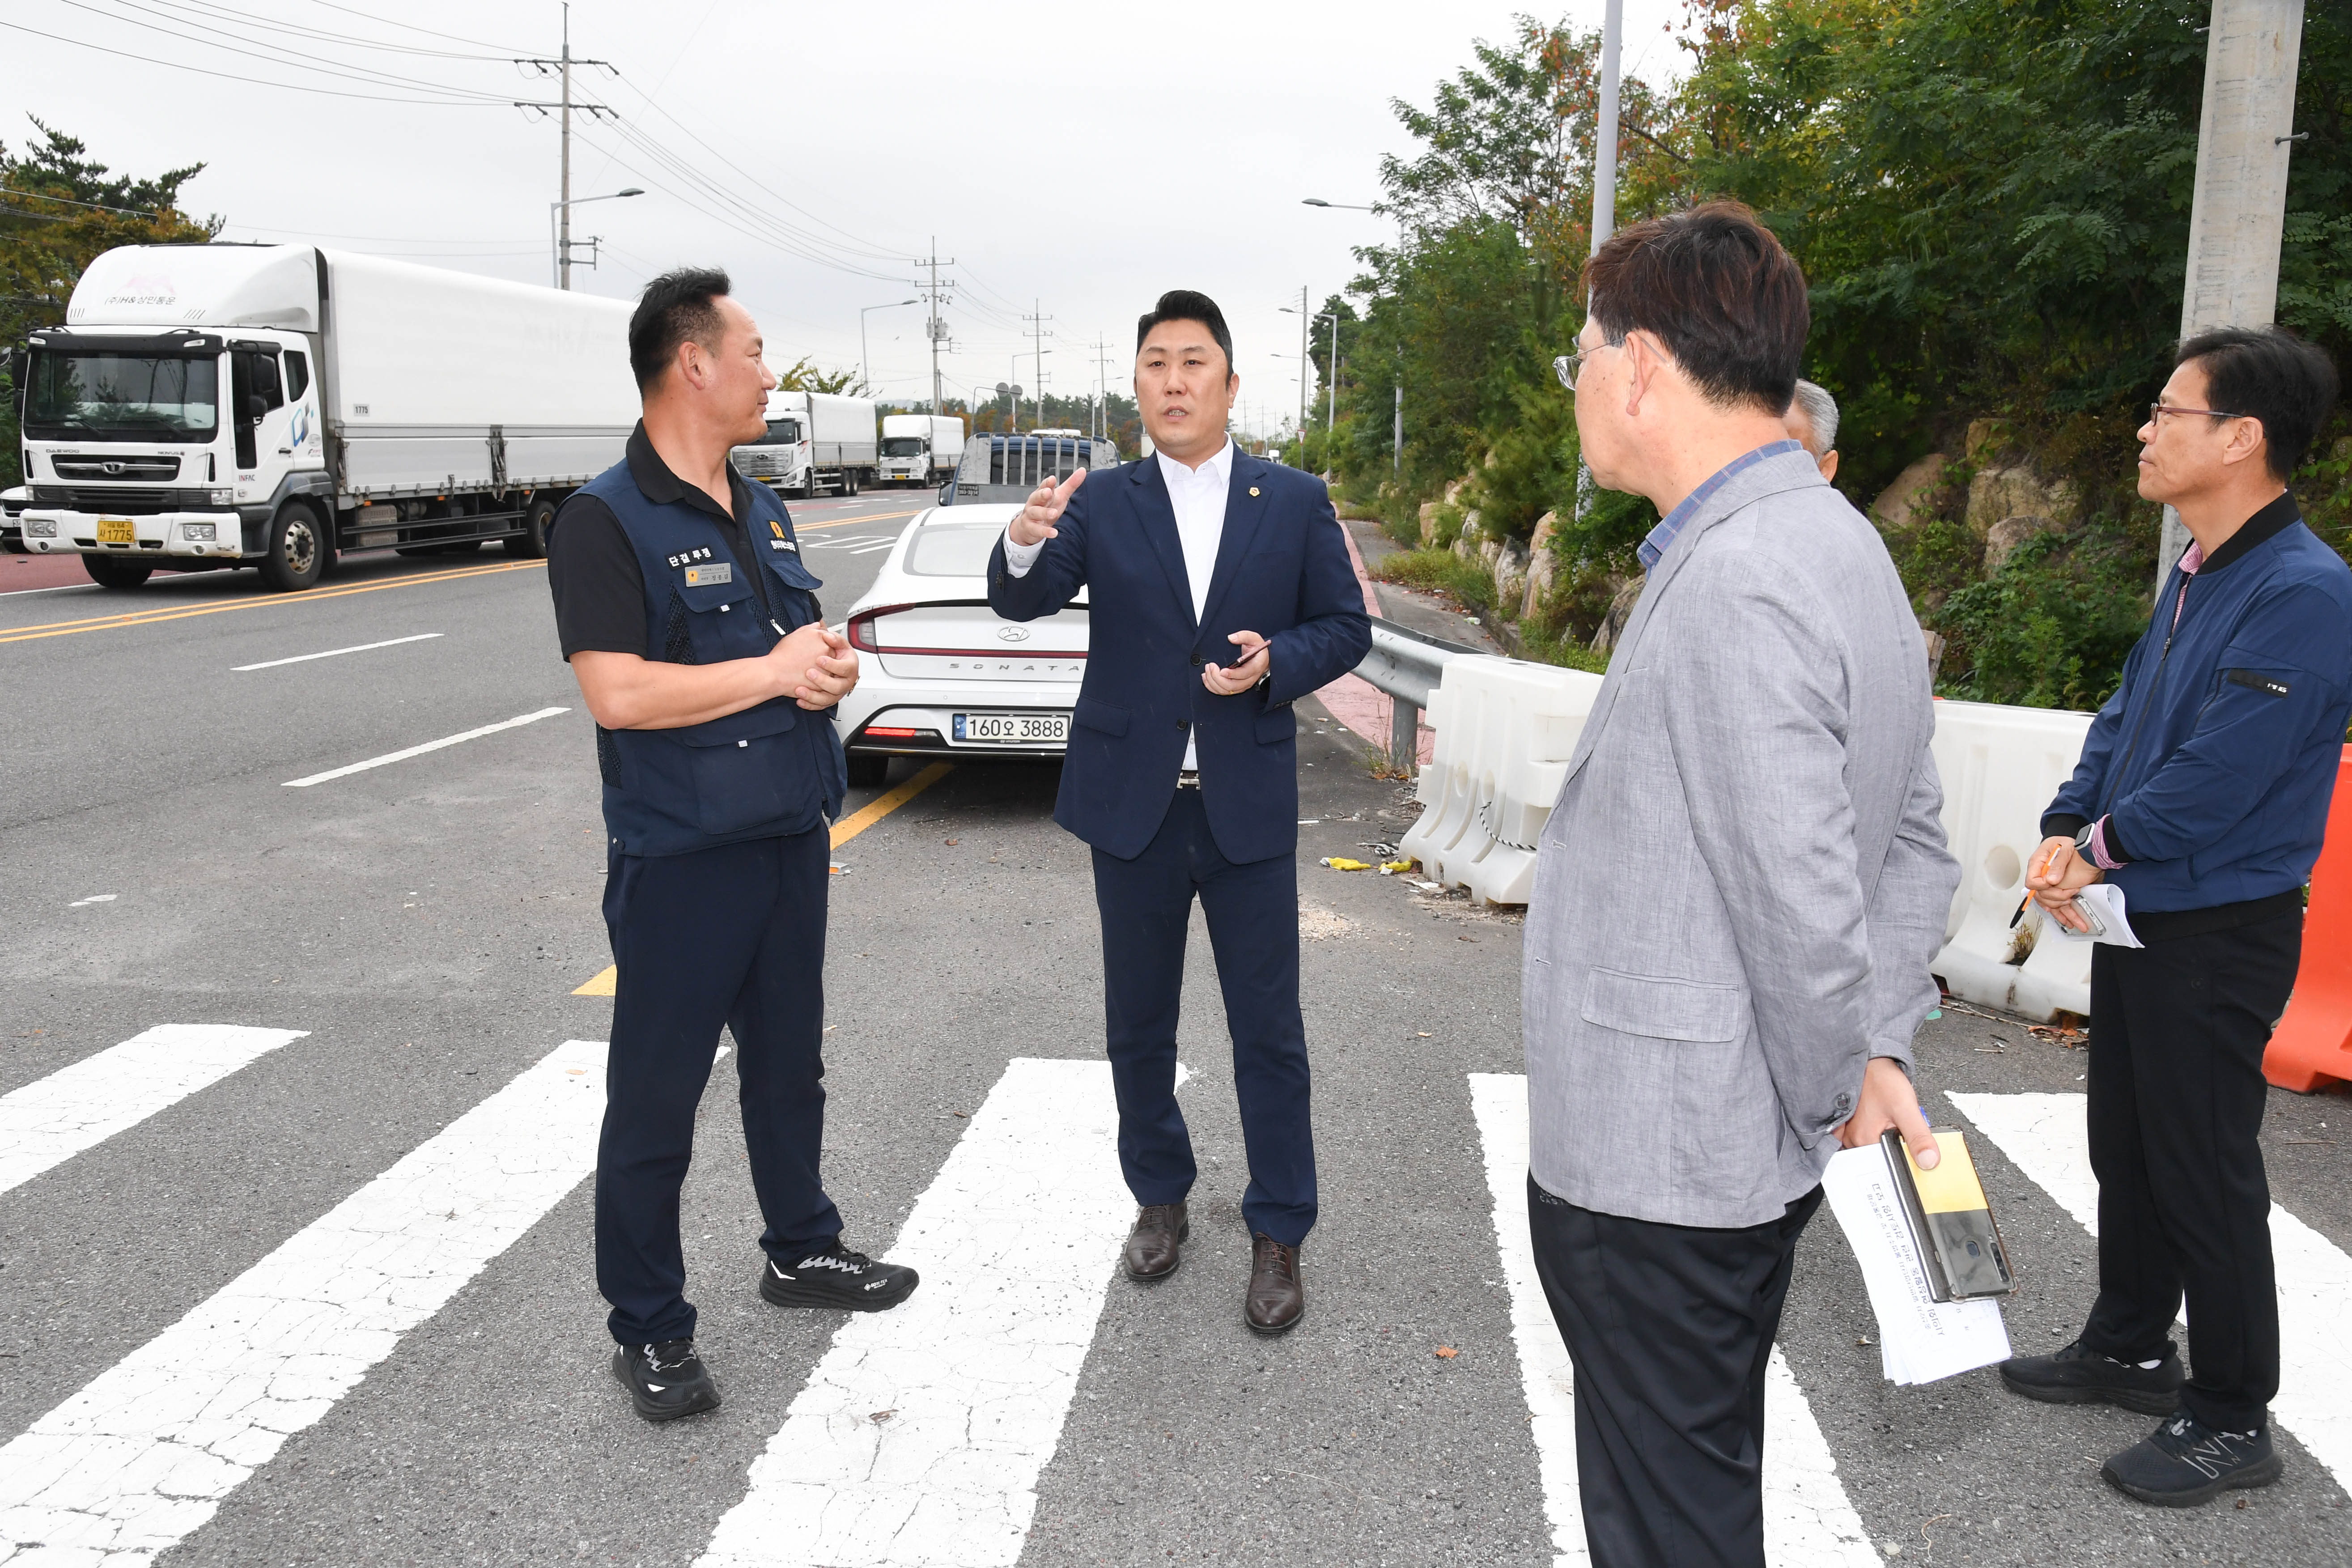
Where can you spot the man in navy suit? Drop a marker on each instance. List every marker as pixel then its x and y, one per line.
pixel 1183 773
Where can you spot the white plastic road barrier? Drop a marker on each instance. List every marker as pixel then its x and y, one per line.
pixel 2001 766
pixel 1506 729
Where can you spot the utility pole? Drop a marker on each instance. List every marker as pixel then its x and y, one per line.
pixel 1396 449
pixel 562 65
pixel 1102 377
pixel 2243 138
pixel 1604 136
pixel 936 327
pixel 1038 351
pixel 1302 374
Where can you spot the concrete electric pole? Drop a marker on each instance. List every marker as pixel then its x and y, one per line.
pixel 2243 140
pixel 1604 130
pixel 935 328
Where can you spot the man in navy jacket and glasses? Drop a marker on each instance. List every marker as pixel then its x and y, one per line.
pixel 2202 794
pixel 1219 589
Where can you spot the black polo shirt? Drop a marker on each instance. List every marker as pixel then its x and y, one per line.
pixel 592 567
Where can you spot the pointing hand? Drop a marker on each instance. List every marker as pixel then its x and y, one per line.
pixel 1034 525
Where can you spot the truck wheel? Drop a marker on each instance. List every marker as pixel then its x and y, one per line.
pixel 109 573
pixel 296 556
pixel 866 770
pixel 532 544
pixel 849 481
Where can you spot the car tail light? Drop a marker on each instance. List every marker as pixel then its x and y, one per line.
pixel 861 628
pixel 891 732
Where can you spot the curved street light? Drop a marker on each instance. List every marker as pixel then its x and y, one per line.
pixel 865 368
pixel 559 238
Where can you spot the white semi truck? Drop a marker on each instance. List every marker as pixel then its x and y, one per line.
pixel 274 406
pixel 921 449
pixel 816 441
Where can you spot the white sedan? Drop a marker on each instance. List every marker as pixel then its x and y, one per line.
pixel 941 673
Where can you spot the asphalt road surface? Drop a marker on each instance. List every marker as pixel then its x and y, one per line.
pixel 306 1279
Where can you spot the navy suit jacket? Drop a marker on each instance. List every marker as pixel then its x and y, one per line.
pixel 1283 570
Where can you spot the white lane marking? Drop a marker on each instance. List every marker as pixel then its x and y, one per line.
pixel 93 898
pixel 357 647
pixel 974 1374
pixel 403 755
pixel 2048 1138
pixel 1808 1517
pixel 51 1120
pixel 144 1454
pixel 1499 1100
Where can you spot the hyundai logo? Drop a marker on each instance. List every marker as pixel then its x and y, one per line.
pixel 1012 634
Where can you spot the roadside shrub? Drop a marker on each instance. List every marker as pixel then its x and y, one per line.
pixel 1440 570
pixel 2053 627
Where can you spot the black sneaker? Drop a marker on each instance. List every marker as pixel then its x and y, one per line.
pixel 665 1381
pixel 833 1276
pixel 2079 1377
pixel 2187 1462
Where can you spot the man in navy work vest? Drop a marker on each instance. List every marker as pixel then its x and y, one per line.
pixel 1183 773
pixel 693 629
pixel 2202 796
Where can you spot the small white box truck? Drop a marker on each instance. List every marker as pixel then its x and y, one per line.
pixel 920 449
pixel 273 406
pixel 816 441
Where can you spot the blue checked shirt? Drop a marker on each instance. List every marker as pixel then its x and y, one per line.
pixel 1661 539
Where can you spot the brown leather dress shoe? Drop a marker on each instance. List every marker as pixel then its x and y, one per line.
pixel 1154 1247
pixel 1275 1300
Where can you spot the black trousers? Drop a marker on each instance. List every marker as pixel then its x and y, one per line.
pixel 1146 905
pixel 732 936
pixel 2178 1030
pixel 1671 1329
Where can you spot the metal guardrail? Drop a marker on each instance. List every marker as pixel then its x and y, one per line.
pixel 1408 666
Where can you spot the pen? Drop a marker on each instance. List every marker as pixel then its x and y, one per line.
pixel 2042 871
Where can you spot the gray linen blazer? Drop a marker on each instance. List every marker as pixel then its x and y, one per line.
pixel 1739 891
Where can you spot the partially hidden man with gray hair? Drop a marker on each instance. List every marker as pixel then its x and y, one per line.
pixel 1737 896
pixel 1813 423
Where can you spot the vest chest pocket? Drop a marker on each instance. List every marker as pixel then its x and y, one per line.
pixel 749 768
pixel 710 623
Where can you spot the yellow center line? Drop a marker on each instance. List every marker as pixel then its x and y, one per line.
pixel 844 522
pixel 131 618
pixel 847 828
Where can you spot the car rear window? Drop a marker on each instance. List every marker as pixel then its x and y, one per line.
pixel 947 551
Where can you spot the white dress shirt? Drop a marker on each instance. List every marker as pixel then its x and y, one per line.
pixel 1198 496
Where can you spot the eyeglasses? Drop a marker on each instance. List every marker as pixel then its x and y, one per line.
pixel 1568 367
pixel 2156 411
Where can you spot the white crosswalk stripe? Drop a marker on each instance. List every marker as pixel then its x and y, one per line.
pixel 50 1121
pixel 145 1453
pixel 920 1435
pixel 2046 1136
pixel 1808 1518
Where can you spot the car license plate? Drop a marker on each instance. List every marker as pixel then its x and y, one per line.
pixel 998 729
pixel 115 530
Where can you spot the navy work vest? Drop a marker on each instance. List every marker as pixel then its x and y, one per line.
pixel 764 773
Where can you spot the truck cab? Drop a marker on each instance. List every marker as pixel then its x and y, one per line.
pixel 146 447
pixel 781 456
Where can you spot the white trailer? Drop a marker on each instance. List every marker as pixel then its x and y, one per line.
pixel 273 406
pixel 816 441
pixel 921 449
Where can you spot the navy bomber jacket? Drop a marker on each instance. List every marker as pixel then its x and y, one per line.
pixel 2213 765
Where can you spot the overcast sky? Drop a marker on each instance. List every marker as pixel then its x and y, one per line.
pixel 1075 159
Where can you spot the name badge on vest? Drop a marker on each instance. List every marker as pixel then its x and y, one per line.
pixel 704 576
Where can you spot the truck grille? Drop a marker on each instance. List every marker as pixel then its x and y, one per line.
pixel 85 466
pixel 123 502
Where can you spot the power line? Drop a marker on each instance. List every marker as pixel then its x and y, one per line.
pixel 253 81
pixel 365 75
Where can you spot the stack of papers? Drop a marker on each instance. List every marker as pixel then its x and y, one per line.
pixel 1920 1339
pixel 2106 913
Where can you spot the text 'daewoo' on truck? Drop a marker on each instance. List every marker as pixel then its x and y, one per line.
pixel 273 406
pixel 920 449
pixel 816 441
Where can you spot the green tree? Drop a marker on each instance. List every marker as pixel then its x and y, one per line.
pixel 804 374
pixel 59 210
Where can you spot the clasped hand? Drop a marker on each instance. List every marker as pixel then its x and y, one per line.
pixel 2059 871
pixel 816 665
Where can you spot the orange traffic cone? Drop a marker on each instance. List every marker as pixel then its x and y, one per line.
pixel 2312 1044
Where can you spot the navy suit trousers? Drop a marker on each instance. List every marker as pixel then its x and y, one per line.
pixel 732 936
pixel 1146 905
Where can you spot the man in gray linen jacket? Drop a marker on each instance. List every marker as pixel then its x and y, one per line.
pixel 1736 897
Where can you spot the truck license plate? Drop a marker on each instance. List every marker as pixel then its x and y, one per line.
pixel 115 530
pixel 1034 729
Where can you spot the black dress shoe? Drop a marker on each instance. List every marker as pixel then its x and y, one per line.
pixel 833 1276
pixel 664 1381
pixel 2185 1462
pixel 2079 1377
pixel 1155 1247
pixel 1275 1300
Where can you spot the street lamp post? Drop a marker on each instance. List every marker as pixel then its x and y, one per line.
pixel 866 366
pixel 558 225
pixel 1396 454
